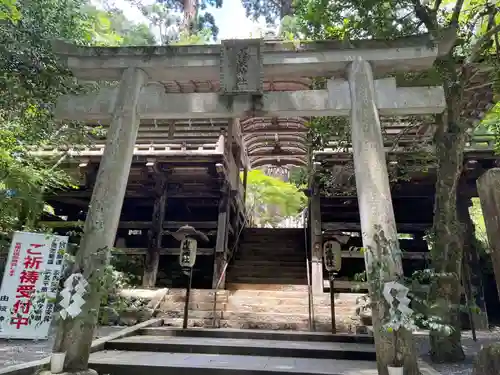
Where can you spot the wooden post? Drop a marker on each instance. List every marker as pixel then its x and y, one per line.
pixel 383 262
pixel 488 187
pixel 245 182
pixel 316 238
pixel 222 237
pixel 74 336
pixel 155 234
pixel 224 216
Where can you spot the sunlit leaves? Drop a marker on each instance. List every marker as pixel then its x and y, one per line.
pixel 270 200
pixel 9 11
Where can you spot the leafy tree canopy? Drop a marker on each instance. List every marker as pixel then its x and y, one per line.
pixel 270 200
pixel 271 10
pixel 32 79
pixel 30 84
pixel 164 18
pixel 190 9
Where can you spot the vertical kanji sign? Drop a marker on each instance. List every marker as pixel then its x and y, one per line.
pixel 29 285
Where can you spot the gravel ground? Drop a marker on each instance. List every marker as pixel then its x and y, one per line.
pixel 13 352
pixel 18 351
pixel 470 347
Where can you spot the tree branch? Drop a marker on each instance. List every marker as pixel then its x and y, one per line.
pixel 423 13
pixel 437 5
pixel 477 50
pixel 456 13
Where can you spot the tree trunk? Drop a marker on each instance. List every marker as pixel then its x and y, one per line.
pixel 189 16
pixel 286 8
pixel 447 236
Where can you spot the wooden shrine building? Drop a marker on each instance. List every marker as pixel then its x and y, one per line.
pixel 205 115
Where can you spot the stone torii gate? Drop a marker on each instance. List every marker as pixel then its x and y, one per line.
pixel 241 66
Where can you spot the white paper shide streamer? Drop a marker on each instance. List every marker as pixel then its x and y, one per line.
pixel 400 315
pixel 72 301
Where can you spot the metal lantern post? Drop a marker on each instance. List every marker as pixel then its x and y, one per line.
pixel 187 258
pixel 332 255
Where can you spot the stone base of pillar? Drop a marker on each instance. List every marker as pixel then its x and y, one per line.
pixel 84 372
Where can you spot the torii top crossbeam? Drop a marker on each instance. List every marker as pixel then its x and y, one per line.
pixel 193 82
pixel 280 59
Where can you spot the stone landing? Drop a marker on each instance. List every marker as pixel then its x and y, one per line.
pixel 242 352
pixel 265 306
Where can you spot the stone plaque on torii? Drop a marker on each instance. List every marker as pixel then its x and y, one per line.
pixel 240 67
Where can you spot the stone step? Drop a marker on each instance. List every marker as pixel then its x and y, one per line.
pixel 262 308
pixel 117 362
pixel 259 281
pixel 255 347
pixel 256 334
pixel 270 297
pixel 288 309
pixel 291 287
pixel 274 296
pixel 192 314
pixel 195 292
pixel 269 255
pixel 194 299
pixel 271 248
pixel 321 324
pixel 258 263
pixel 268 246
pixel 299 326
pixel 271 251
pixel 242 265
pixel 274 231
pixel 264 273
pixel 202 306
pixel 196 296
pixel 267 263
pixel 266 317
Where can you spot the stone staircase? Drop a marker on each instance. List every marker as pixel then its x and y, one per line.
pixel 267 283
pixel 168 351
pixel 269 256
pixel 277 307
pixel 201 304
pixel 266 288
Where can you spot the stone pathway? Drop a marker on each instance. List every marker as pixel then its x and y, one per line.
pixel 13 352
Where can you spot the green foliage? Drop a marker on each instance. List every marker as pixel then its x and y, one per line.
pixel 299 177
pixel 491 126
pixel 164 18
pixel 270 10
pixel 113 304
pixel 111 28
pixel 270 200
pixel 476 214
pixel 30 83
pixel 167 10
pixel 9 11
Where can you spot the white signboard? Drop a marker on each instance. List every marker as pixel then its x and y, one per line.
pixel 30 283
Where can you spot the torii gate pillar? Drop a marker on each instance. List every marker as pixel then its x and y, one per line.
pixel 378 224
pixel 74 336
pixel 488 188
